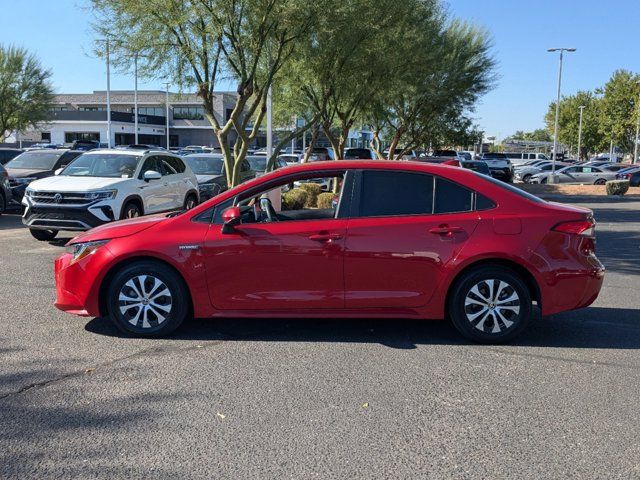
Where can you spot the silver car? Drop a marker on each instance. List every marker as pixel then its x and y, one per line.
pixel 524 174
pixel 579 174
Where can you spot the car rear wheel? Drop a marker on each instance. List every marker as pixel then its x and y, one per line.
pixel 147 299
pixel 600 181
pixel 526 178
pixel 43 235
pixel 190 202
pixel 490 304
pixel 131 210
pixel 544 180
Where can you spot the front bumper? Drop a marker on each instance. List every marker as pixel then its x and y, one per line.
pixel 76 218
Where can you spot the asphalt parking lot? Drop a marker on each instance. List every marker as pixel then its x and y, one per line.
pixel 319 398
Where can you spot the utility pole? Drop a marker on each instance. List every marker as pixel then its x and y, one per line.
pixel 135 96
pixel 635 147
pixel 166 85
pixel 555 130
pixel 269 124
pixel 108 99
pixel 582 107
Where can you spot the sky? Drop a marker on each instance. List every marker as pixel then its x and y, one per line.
pixel 604 33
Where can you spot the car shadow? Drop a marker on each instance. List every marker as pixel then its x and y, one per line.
pixel 594 327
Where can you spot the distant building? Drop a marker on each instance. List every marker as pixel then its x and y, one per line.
pixel 84 117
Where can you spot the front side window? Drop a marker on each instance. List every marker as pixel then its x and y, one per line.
pixel 151 164
pixel 102 165
pixel 386 193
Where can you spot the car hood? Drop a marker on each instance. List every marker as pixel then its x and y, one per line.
pixel 119 229
pixel 25 172
pixel 206 178
pixel 65 183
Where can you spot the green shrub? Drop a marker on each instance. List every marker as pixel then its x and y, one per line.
pixel 294 199
pixel 325 199
pixel 617 187
pixel 313 190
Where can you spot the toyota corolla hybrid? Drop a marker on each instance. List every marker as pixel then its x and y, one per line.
pixel 405 240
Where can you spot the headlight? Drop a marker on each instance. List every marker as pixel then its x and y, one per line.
pixel 81 250
pixel 24 180
pixel 102 195
pixel 206 187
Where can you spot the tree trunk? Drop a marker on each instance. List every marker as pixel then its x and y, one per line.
pixel 312 144
pixel 297 132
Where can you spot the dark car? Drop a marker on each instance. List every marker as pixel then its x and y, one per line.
pixel 5 189
pixel 7 154
pixel 630 173
pixel 258 163
pixel 210 171
pixel 500 165
pixel 85 145
pixel 476 166
pixel 359 154
pixel 36 164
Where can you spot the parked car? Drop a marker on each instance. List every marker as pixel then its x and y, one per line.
pixel 320 154
pixel 446 155
pixel 577 174
pixel 476 166
pixel 210 172
pixel 86 145
pixel 631 173
pixel 524 174
pixel 258 163
pixel 634 179
pixel 5 190
pixel 291 158
pixel 405 239
pixel 7 154
pixel 519 158
pixel 36 164
pixel 103 185
pixel 358 154
pixel 407 155
pixel 500 165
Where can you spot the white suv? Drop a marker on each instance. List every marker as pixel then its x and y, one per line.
pixel 105 185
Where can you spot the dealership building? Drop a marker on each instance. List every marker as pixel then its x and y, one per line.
pixel 84 117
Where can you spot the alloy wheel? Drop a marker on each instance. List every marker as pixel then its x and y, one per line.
pixel 145 301
pixel 492 306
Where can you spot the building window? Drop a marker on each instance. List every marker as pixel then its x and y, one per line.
pixel 157 111
pixel 70 137
pixel 45 137
pixel 92 109
pixel 59 108
pixel 188 113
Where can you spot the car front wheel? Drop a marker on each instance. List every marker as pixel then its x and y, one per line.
pixel 131 210
pixel 147 299
pixel 601 181
pixel 43 235
pixel 490 304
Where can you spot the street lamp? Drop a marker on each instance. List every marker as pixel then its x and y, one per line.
pixel 555 130
pixel 582 107
pixel 166 85
pixel 635 147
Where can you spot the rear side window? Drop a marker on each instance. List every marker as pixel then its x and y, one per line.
pixel 451 197
pixel 175 163
pixel 386 193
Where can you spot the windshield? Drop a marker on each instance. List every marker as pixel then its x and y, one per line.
pixel 110 165
pixel 205 165
pixel 36 160
pixel 258 164
pixel 444 153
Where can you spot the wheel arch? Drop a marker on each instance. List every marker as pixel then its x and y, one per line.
pixel 193 192
pixel 125 262
pixel 526 275
pixel 132 198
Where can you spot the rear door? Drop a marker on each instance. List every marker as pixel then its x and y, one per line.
pixel 405 228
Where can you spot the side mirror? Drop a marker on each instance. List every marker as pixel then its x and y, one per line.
pixel 151 175
pixel 231 217
pixel 58 171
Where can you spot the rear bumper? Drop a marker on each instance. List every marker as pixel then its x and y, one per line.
pixel 505 173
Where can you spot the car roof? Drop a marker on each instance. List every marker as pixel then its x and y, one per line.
pixel 126 151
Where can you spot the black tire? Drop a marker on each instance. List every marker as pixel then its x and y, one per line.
pixel 498 324
pixel 526 178
pixel 130 210
pixel 190 201
pixel 543 181
pixel 43 235
pixel 129 316
pixel 3 204
pixel 600 181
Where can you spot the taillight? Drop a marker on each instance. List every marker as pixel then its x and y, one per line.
pixel 586 228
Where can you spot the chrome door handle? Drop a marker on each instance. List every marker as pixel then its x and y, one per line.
pixel 325 237
pixel 445 230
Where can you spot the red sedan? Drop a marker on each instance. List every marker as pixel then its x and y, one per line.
pixel 403 239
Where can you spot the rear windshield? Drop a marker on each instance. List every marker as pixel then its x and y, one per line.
pixel 356 153
pixel 512 189
pixel 204 165
pixel 36 160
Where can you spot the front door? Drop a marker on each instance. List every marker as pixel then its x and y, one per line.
pixel 291 262
pixel 402 236
pixel 156 194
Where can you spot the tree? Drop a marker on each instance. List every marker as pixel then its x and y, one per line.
pixel 427 104
pixel 26 93
pixel 197 43
pixel 537 135
pixel 620 109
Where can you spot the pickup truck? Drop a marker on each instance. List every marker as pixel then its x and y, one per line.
pixel 499 165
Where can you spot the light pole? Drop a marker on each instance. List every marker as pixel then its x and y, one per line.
pixel 108 99
pixel 135 97
pixel 555 130
pixel 635 147
pixel 582 107
pixel 166 85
